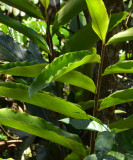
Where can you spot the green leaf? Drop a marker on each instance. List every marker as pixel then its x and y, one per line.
pixel 66 13
pixel 41 128
pixel 118 97
pixel 86 38
pixel 60 66
pixel 73 156
pixel 42 99
pixel 45 3
pixel 121 36
pixel 120 67
pixel 91 157
pixel 122 125
pixel 116 155
pixel 85 124
pixel 104 143
pixel 78 79
pixel 26 5
pixel 30 33
pixel 99 16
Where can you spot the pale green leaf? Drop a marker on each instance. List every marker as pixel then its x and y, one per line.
pixel 120 67
pixel 41 128
pixel 66 13
pixel 25 5
pixel 118 97
pixel 126 35
pixel 60 66
pixel 85 124
pixel 28 32
pixel 91 157
pixel 42 99
pixel 99 16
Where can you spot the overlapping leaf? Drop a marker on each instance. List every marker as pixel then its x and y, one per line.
pixel 120 67
pixel 26 5
pixel 121 36
pixel 60 66
pixel 99 16
pixel 28 32
pixel 66 13
pixel 41 128
pixel 117 97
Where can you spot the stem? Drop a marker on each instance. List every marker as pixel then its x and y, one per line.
pixel 96 106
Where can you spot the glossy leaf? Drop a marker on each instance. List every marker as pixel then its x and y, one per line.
pixel 41 128
pixel 118 97
pixel 86 38
pixel 42 99
pixel 28 32
pixel 73 156
pixel 60 66
pixel 126 35
pixel 66 13
pixel 120 67
pixel 26 5
pixel 99 16
pixel 85 124
pixel 122 125
pixel 104 143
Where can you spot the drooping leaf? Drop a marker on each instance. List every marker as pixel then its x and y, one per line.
pixel 78 79
pixel 104 143
pixel 30 33
pixel 91 157
pixel 73 156
pixel 41 99
pixel 120 67
pixel 99 16
pixel 118 97
pixel 60 66
pixel 66 13
pixel 45 3
pixel 26 5
pixel 85 124
pixel 126 35
pixel 41 128
pixel 86 38
pixel 122 125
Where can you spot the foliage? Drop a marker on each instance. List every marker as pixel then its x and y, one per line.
pixel 59 67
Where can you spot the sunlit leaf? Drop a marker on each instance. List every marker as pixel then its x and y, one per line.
pixel 126 35
pixel 41 128
pixel 99 16
pixel 60 66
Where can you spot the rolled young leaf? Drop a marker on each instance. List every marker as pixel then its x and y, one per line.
pixel 25 5
pixel 117 97
pixel 120 67
pixel 41 128
pixel 60 66
pixel 99 16
pixel 126 35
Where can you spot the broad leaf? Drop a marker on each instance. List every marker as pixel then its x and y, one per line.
pixel 25 5
pixel 85 124
pixel 30 33
pixel 104 143
pixel 122 125
pixel 99 16
pixel 91 157
pixel 41 128
pixel 117 97
pixel 60 66
pixel 73 156
pixel 66 13
pixel 120 67
pixel 121 36
pixel 86 38
pixel 73 77
pixel 42 99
